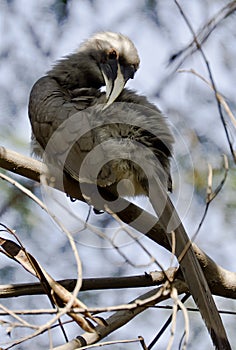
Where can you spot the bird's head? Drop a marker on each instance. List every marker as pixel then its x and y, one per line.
pixel 116 58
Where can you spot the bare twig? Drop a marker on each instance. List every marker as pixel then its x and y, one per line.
pixel 220 98
pixel 73 296
pixel 17 317
pixel 210 194
pixel 106 309
pixel 204 32
pixel 116 320
pixel 126 229
pixel 199 47
pixel 166 324
pixel 111 342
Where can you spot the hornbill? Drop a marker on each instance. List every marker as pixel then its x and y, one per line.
pixel 131 138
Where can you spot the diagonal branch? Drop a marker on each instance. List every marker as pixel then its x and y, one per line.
pixel 222 282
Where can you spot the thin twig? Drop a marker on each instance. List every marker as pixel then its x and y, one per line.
pixel 74 249
pixel 166 324
pixel 210 194
pixel 118 319
pixel 204 33
pixel 111 342
pixel 16 316
pixel 199 47
pixel 127 230
pixel 219 96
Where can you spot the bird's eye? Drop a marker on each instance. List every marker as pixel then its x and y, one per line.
pixel 112 55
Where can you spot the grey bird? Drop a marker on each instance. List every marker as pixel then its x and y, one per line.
pixel 116 140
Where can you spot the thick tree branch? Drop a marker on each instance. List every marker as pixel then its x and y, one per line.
pixel 147 280
pixel 221 281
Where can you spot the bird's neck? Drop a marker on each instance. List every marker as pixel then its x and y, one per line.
pixel 77 71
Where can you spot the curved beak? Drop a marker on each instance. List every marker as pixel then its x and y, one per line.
pixel 115 77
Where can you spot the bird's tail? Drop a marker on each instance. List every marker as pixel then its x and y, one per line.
pixel 190 267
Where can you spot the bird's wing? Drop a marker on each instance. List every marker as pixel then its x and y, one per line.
pixel 155 133
pixel 69 124
pixel 51 112
pixel 125 134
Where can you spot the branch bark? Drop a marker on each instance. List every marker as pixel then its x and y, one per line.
pixel 222 282
pixel 147 280
pixel 120 318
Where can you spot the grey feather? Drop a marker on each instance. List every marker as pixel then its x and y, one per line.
pixel 129 140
